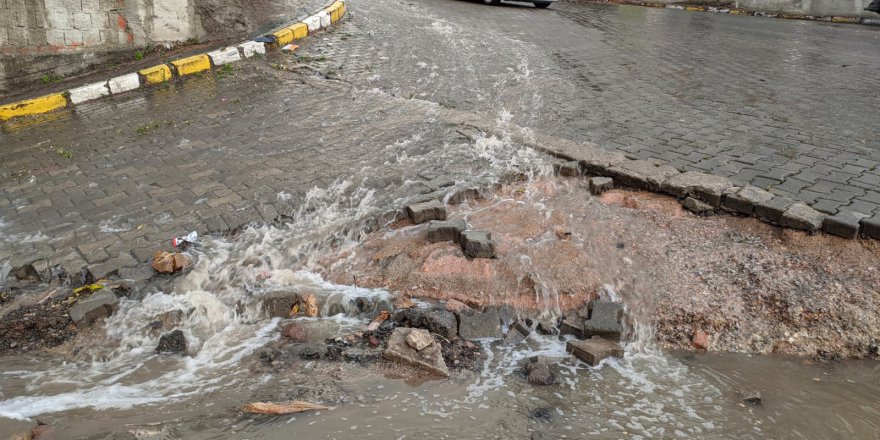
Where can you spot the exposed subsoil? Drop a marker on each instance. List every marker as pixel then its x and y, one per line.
pixel 750 287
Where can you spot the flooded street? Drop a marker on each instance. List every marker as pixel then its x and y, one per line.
pixel 297 171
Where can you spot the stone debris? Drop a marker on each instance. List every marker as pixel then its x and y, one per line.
pixel 517 333
pixel 296 406
pixel 173 342
pixel 801 216
pixel 439 322
pixel 751 396
pixel 419 339
pixel 279 304
pixel 569 169
pixel 430 359
pixel 449 230
pixel 167 262
pixel 426 211
pixel 572 325
pixel 604 320
pixel 378 320
pixel 295 331
pixel 871 226
pixel 843 224
pixel 701 186
pixel 462 195
pixel 594 350
pixel 539 372
pixel 744 200
pixel 477 325
pixel 100 305
pixel 478 244
pixel 599 185
pixel 696 206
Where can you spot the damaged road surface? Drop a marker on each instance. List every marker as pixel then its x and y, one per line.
pixel 385 249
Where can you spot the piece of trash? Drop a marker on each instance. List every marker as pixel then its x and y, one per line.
pixel 289 48
pixel 295 406
pixel 89 288
pixel 383 315
pixel 185 241
pixel 167 262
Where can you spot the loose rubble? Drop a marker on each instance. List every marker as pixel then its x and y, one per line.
pixel 429 359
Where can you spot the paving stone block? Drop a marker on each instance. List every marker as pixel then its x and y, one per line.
pixel 100 305
pixel 871 226
pixel 445 230
pixel 425 211
pixel 597 162
pixel 800 216
pixel 478 244
pixel 605 320
pixel 704 187
pixel 771 210
pixel 744 200
pixel 569 169
pixel 844 224
pixel 429 359
pixel 641 174
pixel 599 185
pixel 593 351
pixel 476 325
pixel 518 332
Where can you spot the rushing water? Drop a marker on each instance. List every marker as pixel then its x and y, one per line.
pixel 114 386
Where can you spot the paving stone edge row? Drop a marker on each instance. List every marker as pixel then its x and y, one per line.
pixel 323 19
pixel 846 19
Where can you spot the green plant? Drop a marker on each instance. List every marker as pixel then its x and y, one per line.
pixel 64 152
pixel 139 55
pixel 50 78
pixel 226 70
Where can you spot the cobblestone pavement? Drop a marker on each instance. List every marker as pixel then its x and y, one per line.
pixel 779 104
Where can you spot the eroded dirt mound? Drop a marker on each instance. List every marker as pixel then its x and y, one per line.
pixel 749 286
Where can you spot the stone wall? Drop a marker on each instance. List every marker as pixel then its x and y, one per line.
pixel 67 37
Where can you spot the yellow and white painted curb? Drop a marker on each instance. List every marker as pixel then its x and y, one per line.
pixel 190 65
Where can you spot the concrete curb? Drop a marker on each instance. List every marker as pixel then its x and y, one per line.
pixel 179 68
pixel 741 11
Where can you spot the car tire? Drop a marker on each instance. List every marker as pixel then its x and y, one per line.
pixel 492 2
pixel 542 5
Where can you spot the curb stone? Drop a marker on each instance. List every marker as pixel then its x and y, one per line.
pixel 740 11
pixel 178 68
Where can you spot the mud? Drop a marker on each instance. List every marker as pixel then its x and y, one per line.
pixel 750 287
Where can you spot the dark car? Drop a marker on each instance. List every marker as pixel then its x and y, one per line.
pixel 538 4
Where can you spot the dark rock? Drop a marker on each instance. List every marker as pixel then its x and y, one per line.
pixel 593 351
pixel 539 372
pixel 279 304
pixel 426 211
pixel 604 320
pixel 100 305
pixel 641 174
pixel 751 396
pixel 310 352
pixel 517 333
pixel 477 244
pixel 801 216
pixel 701 186
pixel 771 210
pixel 599 185
pixel 844 224
pixel 440 322
pixel 461 353
pixel 696 206
pixel 456 306
pixel 174 342
pixel 569 169
pixel 542 414
pixel 744 200
pixel 464 194
pixel 480 325
pixel 430 359
pixel 701 340
pixel 445 230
